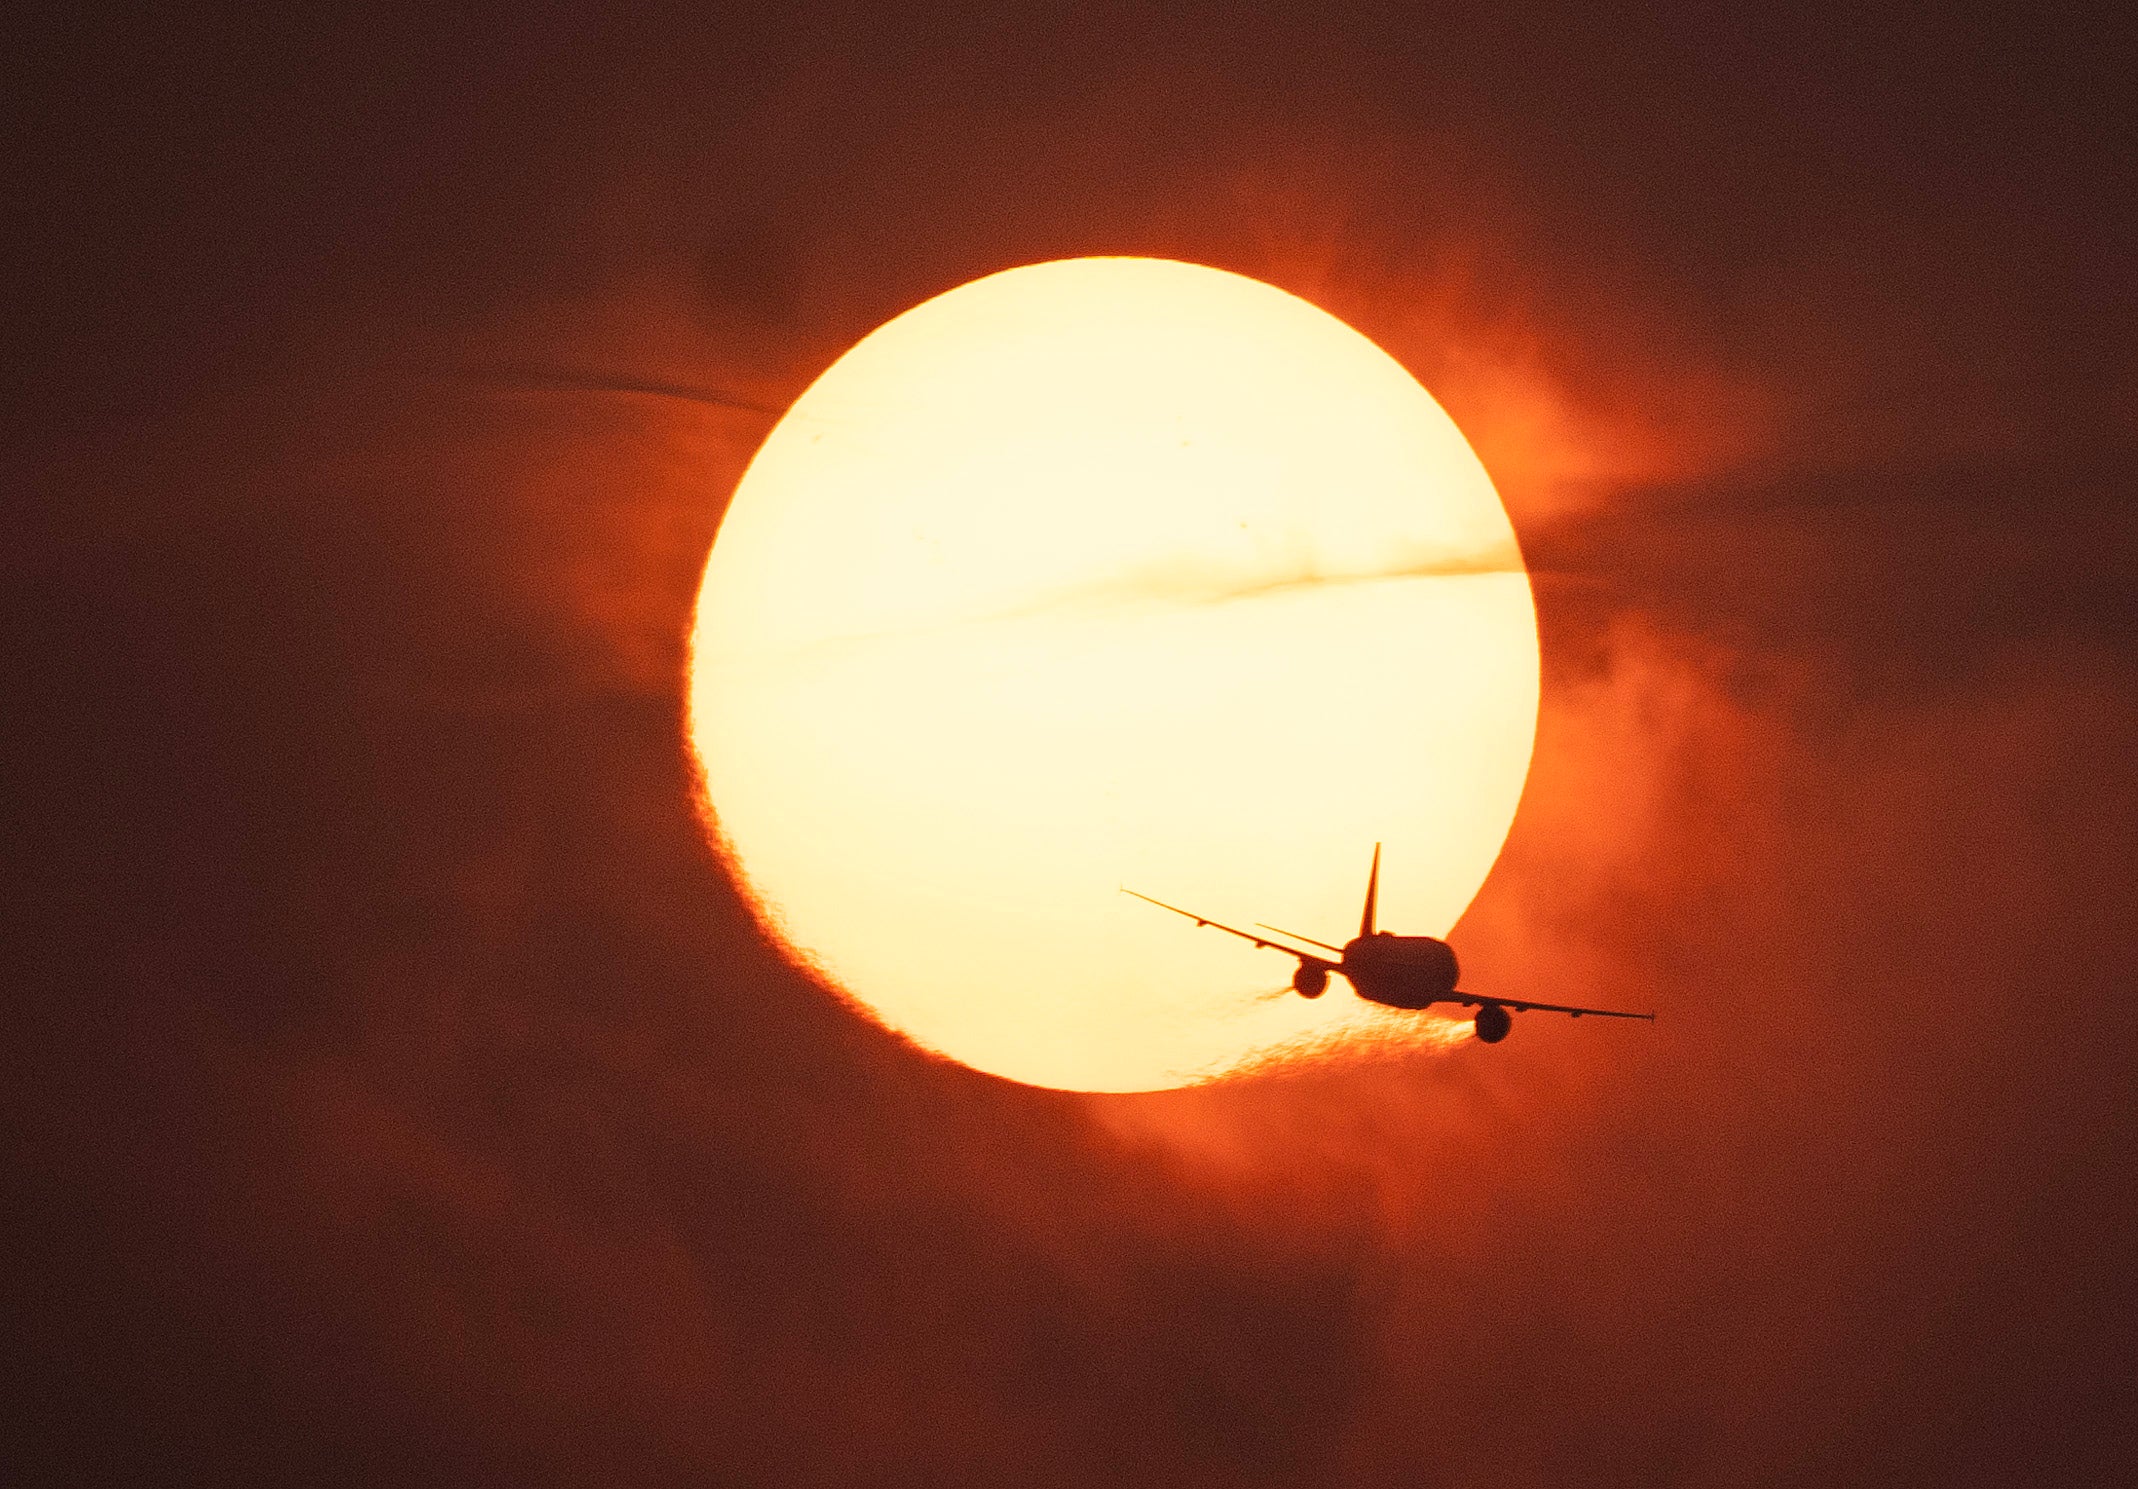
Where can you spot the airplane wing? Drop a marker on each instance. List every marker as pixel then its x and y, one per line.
pixel 1280 930
pixel 1472 1000
pixel 1307 957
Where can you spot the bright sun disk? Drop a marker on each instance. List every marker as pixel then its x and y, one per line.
pixel 1099 572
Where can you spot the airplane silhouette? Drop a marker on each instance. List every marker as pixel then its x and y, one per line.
pixel 1396 971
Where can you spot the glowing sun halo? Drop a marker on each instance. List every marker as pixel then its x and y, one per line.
pixel 1099 572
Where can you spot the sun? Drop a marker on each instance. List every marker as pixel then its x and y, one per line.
pixel 1104 572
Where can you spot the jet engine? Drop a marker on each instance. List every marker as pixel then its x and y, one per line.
pixel 1493 1022
pixel 1310 981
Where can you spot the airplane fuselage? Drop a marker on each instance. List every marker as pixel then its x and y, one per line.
pixel 1400 971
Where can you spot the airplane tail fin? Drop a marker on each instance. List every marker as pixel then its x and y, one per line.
pixel 1373 890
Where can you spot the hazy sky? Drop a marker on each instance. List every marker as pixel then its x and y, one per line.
pixel 396 1090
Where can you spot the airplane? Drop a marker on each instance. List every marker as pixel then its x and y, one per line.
pixel 1395 971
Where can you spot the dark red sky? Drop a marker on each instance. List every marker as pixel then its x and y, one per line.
pixel 396 1092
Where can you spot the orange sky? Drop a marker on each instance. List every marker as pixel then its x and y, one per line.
pixel 399 1090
